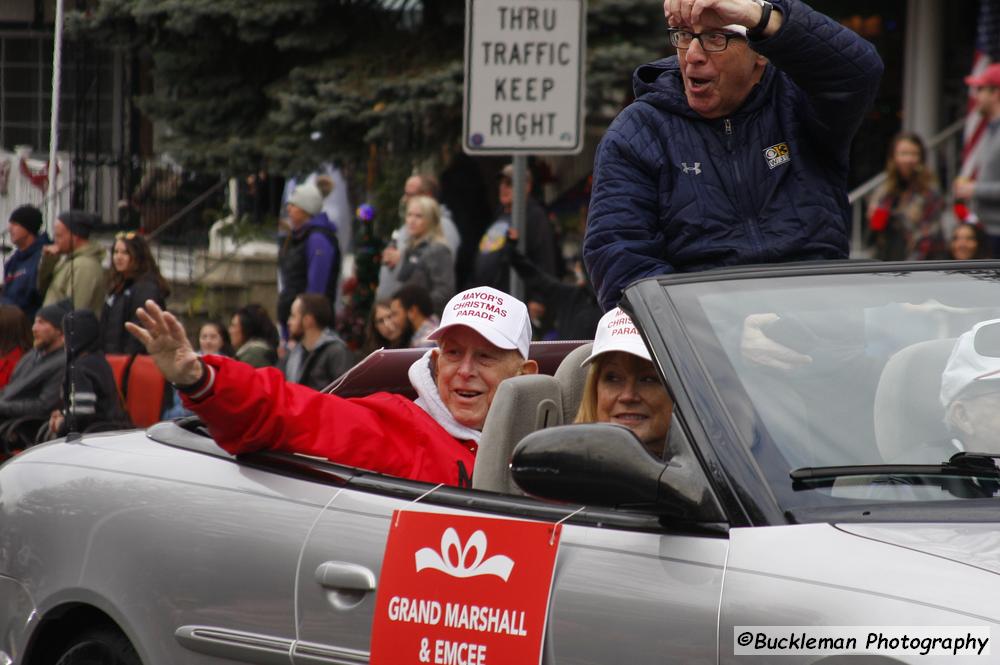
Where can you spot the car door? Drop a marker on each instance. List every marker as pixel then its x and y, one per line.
pixel 624 589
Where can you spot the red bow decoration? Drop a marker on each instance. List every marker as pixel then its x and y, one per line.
pixel 39 179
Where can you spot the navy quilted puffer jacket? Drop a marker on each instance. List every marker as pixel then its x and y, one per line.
pixel 674 192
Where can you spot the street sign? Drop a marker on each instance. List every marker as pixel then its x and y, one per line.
pixel 524 76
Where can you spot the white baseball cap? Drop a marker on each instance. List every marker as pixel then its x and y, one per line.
pixel 967 364
pixel 499 317
pixel 616 332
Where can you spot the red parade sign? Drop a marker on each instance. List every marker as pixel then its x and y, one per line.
pixel 458 590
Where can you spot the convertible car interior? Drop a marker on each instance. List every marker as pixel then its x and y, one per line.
pixel 522 405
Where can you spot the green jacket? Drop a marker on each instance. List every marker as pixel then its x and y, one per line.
pixel 257 353
pixel 83 266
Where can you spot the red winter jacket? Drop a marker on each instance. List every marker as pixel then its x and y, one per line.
pixel 250 409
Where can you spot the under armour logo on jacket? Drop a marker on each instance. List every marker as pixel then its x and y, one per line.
pixel 696 169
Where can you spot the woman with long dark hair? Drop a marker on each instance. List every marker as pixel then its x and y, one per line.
pixel 254 336
pixel 905 211
pixel 384 331
pixel 15 339
pixel 134 279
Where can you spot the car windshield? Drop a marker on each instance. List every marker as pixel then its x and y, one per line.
pixel 834 381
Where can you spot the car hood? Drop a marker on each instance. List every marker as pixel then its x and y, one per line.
pixel 972 544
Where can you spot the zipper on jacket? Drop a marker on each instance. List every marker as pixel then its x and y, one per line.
pixel 751 225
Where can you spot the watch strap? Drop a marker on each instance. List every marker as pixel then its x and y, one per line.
pixel 765 18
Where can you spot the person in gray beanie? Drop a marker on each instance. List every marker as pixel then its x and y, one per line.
pixel 71 267
pixel 309 261
pixel 20 272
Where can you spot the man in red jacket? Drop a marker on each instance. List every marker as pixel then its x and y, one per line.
pixel 483 339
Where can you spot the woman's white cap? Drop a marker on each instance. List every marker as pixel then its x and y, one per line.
pixel 616 332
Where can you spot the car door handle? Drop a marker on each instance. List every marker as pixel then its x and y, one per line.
pixel 343 576
pixel 347 584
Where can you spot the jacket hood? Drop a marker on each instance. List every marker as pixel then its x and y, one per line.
pixel 320 221
pixel 93 249
pixel 295 356
pixel 429 399
pixel 82 331
pixel 660 84
pixel 41 240
pixel 328 336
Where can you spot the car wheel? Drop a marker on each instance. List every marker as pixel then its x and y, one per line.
pixel 101 646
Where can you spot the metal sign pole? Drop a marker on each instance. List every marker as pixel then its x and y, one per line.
pixel 524 87
pixel 53 167
pixel 517 218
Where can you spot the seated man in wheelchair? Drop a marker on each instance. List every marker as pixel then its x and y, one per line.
pixel 35 387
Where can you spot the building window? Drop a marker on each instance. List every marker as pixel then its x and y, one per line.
pixel 86 102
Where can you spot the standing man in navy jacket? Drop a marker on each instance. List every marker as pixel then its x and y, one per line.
pixel 736 149
pixel 20 271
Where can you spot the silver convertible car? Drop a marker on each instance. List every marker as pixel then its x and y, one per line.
pixel 818 502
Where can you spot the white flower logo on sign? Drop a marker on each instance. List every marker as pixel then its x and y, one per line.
pixel 428 557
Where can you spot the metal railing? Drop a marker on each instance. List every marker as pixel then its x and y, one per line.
pixel 943 151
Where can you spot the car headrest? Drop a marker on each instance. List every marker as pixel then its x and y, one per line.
pixel 571 378
pixel 521 405
pixel 908 412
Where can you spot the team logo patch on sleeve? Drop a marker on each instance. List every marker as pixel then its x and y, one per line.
pixel 776 155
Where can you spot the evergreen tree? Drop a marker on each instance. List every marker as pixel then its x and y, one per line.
pixel 286 85
pixel 293 83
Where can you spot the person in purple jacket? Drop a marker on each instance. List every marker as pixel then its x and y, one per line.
pixel 735 150
pixel 310 256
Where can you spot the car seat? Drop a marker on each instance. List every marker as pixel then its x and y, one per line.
pixel 141 386
pixel 145 390
pixel 521 405
pixel 572 377
pixel 118 363
pixel 908 414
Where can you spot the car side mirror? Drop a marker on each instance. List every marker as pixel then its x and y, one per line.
pixel 606 465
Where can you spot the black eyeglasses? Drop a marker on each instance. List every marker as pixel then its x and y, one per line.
pixel 711 42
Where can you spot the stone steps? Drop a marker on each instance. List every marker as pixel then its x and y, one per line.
pixel 205 286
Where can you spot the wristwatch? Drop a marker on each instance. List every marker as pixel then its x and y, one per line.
pixel 765 18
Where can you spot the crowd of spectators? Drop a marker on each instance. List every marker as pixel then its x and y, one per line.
pixel 448 241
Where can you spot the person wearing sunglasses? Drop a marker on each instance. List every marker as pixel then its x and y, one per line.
pixel 735 150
